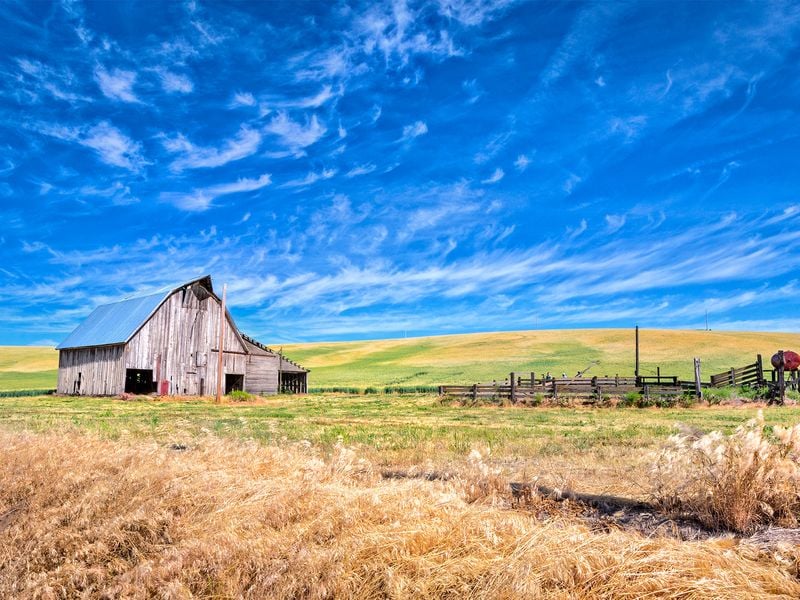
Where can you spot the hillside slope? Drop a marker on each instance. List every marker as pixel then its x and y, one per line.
pixel 487 356
pixel 477 357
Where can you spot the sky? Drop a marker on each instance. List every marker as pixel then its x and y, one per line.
pixel 371 170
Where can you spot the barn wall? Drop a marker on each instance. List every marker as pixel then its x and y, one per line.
pixel 100 368
pixel 262 374
pixel 180 344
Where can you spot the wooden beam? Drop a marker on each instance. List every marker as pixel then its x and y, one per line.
pixel 221 344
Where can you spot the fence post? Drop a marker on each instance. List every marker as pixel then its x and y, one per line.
pixel 759 369
pixel 732 377
pixel 513 388
pixel 698 390
pixel 474 393
pixel 781 379
pixel 533 379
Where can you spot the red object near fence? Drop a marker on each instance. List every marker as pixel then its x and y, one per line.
pixel 791 360
pixel 163 388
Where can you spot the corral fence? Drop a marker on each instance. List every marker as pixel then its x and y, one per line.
pixel 748 375
pixel 524 390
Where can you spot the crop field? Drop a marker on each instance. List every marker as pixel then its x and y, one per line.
pixel 478 357
pixel 352 496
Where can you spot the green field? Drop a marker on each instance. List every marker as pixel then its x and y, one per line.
pixel 476 357
pixel 384 423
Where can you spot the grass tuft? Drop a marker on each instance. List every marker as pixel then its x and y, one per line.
pixel 740 482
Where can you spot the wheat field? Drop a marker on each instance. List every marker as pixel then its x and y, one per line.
pixel 81 516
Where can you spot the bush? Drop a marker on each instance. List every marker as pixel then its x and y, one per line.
pixel 738 482
pixel 240 396
pixel 370 390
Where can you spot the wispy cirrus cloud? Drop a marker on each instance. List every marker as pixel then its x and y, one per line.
pixel 200 200
pixel 173 82
pixel 294 134
pixel 117 84
pixel 112 146
pixel 364 169
pixel 496 176
pixel 310 179
pixel 414 130
pixel 245 143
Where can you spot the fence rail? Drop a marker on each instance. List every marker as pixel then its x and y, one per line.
pixel 752 375
pixel 522 389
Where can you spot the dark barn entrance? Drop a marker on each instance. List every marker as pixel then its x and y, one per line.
pixel 234 383
pixel 139 381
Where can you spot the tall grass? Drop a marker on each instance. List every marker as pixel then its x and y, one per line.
pixel 85 517
pixel 741 481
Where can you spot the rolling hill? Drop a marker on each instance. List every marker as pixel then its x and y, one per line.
pixel 476 357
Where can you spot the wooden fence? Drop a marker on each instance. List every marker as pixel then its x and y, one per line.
pixel 752 375
pixel 524 389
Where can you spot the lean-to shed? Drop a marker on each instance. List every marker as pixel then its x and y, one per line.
pixel 167 342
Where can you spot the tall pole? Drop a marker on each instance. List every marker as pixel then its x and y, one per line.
pixel 636 369
pixel 221 344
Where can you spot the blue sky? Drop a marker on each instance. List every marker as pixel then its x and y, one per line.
pixel 377 170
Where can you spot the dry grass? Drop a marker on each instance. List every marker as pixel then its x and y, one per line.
pixel 85 517
pixel 741 482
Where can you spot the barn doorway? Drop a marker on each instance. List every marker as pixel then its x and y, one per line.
pixel 139 381
pixel 233 383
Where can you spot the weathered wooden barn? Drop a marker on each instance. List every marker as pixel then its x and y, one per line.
pixel 168 343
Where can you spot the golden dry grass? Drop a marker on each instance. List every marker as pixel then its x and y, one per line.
pixel 85 517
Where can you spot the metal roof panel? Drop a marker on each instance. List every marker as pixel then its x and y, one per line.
pixel 113 323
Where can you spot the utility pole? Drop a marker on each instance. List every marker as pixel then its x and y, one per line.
pixel 222 320
pixel 636 369
pixel 706 320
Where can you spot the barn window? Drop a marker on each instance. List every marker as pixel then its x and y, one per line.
pixel 139 381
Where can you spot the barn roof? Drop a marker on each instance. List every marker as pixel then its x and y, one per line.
pixel 117 322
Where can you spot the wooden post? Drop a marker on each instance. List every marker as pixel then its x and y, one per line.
pixel 732 376
pixel 781 380
pixel 658 375
pixel 759 369
pixel 513 388
pixel 533 379
pixel 222 319
pixel 636 369
pixel 474 393
pixel 698 390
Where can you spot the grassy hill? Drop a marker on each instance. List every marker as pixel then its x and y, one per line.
pixel 486 356
pixel 477 357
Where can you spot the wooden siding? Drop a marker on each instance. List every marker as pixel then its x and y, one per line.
pixel 100 368
pixel 262 374
pixel 180 344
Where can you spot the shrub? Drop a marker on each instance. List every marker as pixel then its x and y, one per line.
pixel 370 390
pixel 738 482
pixel 630 399
pixel 240 396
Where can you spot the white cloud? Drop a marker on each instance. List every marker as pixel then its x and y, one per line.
pixel 495 177
pixel 296 135
pixel 243 99
pixel 614 222
pixel 522 163
pixel 361 170
pixel 245 144
pixel 201 199
pixel 175 82
pixel 117 192
pixel 111 145
pixel 310 179
pixel 117 84
pixel 414 130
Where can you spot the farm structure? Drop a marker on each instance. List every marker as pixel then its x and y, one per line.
pixel 168 342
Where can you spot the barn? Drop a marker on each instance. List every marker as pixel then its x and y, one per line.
pixel 168 342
